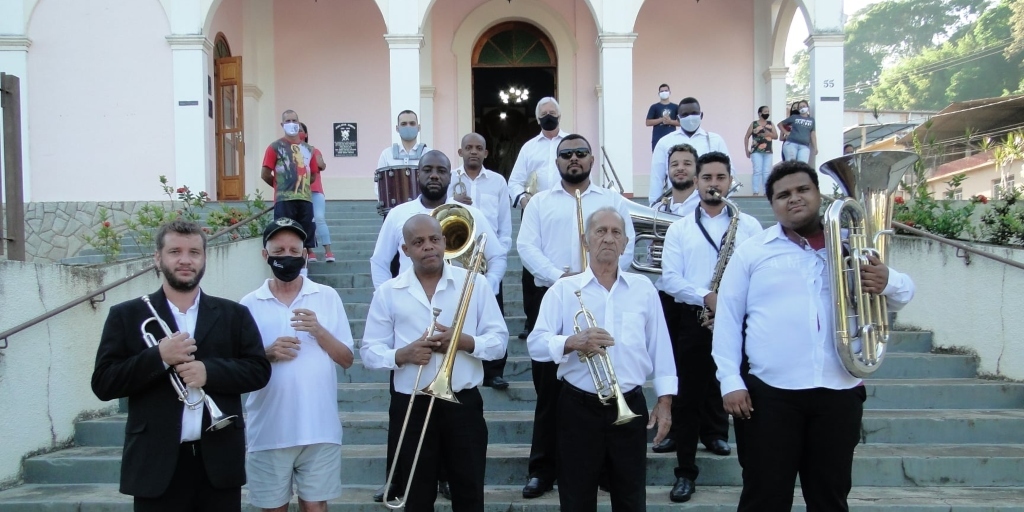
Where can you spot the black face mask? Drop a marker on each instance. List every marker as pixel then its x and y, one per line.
pixel 549 122
pixel 765 116
pixel 286 268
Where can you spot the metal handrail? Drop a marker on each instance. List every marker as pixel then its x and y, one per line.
pixel 961 246
pixel 104 289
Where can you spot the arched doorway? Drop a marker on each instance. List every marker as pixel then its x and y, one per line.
pixel 228 135
pixel 514 66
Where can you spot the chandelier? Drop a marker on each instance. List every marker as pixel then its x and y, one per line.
pixel 514 95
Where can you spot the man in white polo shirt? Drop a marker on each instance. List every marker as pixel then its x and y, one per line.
pixel 294 433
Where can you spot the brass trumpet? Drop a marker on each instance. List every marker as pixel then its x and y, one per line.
pixel 218 419
pixel 600 365
pixel 441 386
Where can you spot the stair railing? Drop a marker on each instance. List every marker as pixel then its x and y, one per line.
pixel 963 250
pixel 91 296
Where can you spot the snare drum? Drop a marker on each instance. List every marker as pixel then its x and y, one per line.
pixel 395 185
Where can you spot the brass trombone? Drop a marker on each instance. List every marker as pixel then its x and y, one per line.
pixel 579 225
pixel 600 365
pixel 218 419
pixel 441 386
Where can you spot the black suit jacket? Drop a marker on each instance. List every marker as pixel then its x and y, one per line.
pixel 227 342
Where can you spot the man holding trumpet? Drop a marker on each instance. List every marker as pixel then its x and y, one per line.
pixel 614 319
pixel 175 458
pixel 398 337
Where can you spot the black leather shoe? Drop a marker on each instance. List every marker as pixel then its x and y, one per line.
pixel 379 495
pixel 682 490
pixel 666 445
pixel 719 447
pixel 536 488
pixel 524 334
pixel 443 490
pixel 496 383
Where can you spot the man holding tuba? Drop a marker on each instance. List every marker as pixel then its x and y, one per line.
pixel 604 330
pixel 695 247
pixel 797 410
pixel 396 338
pixel 179 457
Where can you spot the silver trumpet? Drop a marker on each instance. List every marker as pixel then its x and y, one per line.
pixel 218 419
pixel 600 365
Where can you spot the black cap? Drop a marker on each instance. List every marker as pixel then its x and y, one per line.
pixel 283 223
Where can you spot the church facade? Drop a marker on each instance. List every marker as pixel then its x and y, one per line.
pixel 119 92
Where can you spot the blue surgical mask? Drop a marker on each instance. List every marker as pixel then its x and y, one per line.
pixel 408 133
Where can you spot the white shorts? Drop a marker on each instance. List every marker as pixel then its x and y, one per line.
pixel 315 471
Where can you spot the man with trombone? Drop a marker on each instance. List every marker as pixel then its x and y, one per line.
pixel 420 324
pixel 605 331
pixel 184 447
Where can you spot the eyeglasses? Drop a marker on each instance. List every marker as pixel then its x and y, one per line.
pixel 566 154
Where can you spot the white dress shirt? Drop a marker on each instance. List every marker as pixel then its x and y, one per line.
pixel 549 237
pixel 688 260
pixel 537 155
pixel 684 208
pixel 400 313
pixel 298 407
pixel 489 193
pixel 781 291
pixel 703 141
pixel 191 419
pixel 390 240
pixel 630 312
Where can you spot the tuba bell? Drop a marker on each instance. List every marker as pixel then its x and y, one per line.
pixel 856 226
pixel 459 229
pixel 651 225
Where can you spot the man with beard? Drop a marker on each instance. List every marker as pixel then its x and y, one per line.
pixel 689 132
pixel 430 292
pixel 487 190
pixel 689 257
pixel 682 170
pixel 434 176
pixel 294 429
pixel 549 244
pixel 171 461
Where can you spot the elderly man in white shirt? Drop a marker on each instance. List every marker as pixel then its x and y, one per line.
pixel 689 132
pixel 473 184
pixel 396 339
pixel 595 435
pixel 691 253
pixel 549 244
pixel 797 409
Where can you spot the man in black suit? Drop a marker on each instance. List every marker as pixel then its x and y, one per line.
pixel 170 461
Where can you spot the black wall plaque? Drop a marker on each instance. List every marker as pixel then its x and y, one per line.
pixel 345 142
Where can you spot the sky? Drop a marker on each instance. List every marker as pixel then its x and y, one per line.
pixel 798 31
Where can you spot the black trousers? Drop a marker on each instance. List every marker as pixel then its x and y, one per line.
pixel 544 446
pixel 457 429
pixel 807 432
pixel 190 489
pixel 302 212
pixel 698 387
pixel 531 299
pixel 496 368
pixel 590 445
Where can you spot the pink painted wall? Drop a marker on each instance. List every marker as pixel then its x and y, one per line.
pixel 228 20
pixel 331 65
pixel 100 100
pixel 712 64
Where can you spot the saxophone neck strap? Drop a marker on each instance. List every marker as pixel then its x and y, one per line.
pixel 718 246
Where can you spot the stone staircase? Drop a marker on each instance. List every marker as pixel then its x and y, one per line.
pixel 935 437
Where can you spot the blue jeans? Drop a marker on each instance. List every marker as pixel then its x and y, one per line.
pixel 319 209
pixel 794 151
pixel 762 166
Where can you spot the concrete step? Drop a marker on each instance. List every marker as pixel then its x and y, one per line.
pixel 881 465
pixel 351 266
pixel 516 427
pixel 325 276
pixel 501 498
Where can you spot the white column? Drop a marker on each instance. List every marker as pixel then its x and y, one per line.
pixel 428 121
pixel 776 79
pixel 190 55
pixel 405 74
pixel 14 61
pixel 616 100
pixel 827 93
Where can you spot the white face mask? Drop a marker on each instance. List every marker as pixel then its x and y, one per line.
pixel 804 110
pixel 291 129
pixel 690 123
pixel 664 95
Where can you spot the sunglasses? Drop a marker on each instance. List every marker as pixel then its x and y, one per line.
pixel 566 154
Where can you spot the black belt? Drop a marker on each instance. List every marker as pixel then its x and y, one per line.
pixel 586 397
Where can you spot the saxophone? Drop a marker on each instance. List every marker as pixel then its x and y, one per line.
pixel 725 251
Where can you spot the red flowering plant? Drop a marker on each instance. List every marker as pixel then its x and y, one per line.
pixel 232 214
pixel 107 239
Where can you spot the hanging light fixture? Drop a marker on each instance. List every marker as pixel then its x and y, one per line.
pixel 514 95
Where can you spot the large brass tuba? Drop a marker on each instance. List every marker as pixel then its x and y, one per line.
pixel 650 225
pixel 600 365
pixel 859 224
pixel 441 386
pixel 459 229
